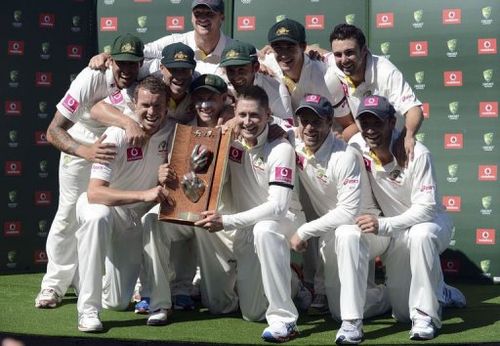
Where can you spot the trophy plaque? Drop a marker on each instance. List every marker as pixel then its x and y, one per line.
pixel 199 158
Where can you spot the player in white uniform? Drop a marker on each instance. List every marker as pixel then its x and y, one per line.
pixel 109 230
pixel 261 177
pixel 239 60
pixel 333 177
pixel 414 219
pixel 364 74
pixel 79 138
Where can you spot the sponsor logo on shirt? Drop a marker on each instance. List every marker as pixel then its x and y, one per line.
pixel 487 173
pixel 43 198
pixel 315 22
pixel 47 20
pixel 452 203
pixel 486 46
pixel 385 20
pixel 12 228
pixel 116 97
pixel 70 103
pixel 13 107
pixel 427 188
pixel 16 48
pixel 452 78
pixel 40 257
pixel 109 23
pixel 246 23
pixel 452 16
pixel 485 236
pixel 453 141
pixel 488 109
pixel 349 181
pixel 134 154
pixel 235 154
pixel 283 174
pixel 13 168
pixel 174 23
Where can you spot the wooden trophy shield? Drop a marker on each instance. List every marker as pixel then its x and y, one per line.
pixel 199 157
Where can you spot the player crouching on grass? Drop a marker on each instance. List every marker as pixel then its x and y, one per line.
pixel 414 219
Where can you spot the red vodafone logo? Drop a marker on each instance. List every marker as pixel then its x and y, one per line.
pixel 47 20
pixel 453 141
pixel 13 168
pixel 12 228
pixel 452 203
pixel 15 48
pixel 283 174
pixel 452 16
pixel 246 23
pixel 74 51
pixel 315 22
pixel 486 46
pixel 134 154
pixel 450 265
pixel 43 79
pixel 235 154
pixel 488 109
pixel 485 236
pixel 13 107
pixel 487 173
pixel 43 198
pixel 426 110
pixel 174 23
pixel 41 138
pixel 452 78
pixel 40 257
pixel 109 23
pixel 385 20
pixel 419 48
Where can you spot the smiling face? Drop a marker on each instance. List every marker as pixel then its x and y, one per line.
pixel 377 133
pixel 205 21
pixel 313 129
pixel 178 79
pixel 208 105
pixel 252 118
pixel 350 58
pixel 151 110
pixel 290 57
pixel 241 76
pixel 125 72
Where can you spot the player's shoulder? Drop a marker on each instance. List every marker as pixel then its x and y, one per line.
pixel 420 150
pixel 384 66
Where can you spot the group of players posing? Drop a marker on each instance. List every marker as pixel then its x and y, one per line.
pixel 375 196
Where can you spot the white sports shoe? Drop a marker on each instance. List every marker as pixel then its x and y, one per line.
pixel 158 318
pixel 422 328
pixel 350 332
pixel 47 299
pixel 280 332
pixel 89 322
pixel 453 297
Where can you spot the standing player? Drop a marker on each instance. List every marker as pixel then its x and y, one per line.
pixel 261 177
pixel 414 219
pixel 109 229
pixel 80 140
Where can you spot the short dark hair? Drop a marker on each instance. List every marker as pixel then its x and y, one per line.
pixel 154 85
pixel 347 31
pixel 254 92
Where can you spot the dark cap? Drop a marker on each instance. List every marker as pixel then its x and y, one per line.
pixel 287 30
pixel 376 105
pixel 238 53
pixel 178 55
pixel 127 48
pixel 209 81
pixel 214 5
pixel 318 104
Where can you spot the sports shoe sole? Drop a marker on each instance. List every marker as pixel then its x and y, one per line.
pixel 281 339
pixel 417 336
pixel 46 305
pixel 90 329
pixel 341 341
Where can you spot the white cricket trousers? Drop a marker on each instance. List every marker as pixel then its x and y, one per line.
pixel 216 261
pixel 413 269
pixel 346 253
pixel 110 244
pixel 264 273
pixel 61 247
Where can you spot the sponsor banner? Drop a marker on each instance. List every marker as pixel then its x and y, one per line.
pixel 43 79
pixel 15 48
pixel 452 16
pixel 452 203
pixel 74 51
pixel 12 228
pixel 13 168
pixel 452 78
pixel 43 198
pixel 315 22
pixel 487 173
pixel 453 141
pixel 487 46
pixel 40 257
pixel 488 109
pixel 109 23
pixel 174 23
pixel 485 236
pixel 419 48
pixel 13 107
pixel 47 20
pixel 385 20
pixel 246 23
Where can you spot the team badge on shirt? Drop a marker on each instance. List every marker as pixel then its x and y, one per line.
pixel 70 103
pixel 259 163
pixel 134 154
pixel 235 154
pixel 283 175
pixel 321 174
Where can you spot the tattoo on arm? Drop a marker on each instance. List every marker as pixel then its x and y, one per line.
pixel 58 135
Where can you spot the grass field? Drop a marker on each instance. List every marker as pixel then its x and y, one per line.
pixel 476 324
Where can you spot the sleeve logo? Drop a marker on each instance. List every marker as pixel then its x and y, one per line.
pixel 70 103
pixel 283 174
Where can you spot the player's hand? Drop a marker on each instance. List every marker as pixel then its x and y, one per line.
pixel 157 194
pixel 315 55
pixel 100 61
pixel 367 223
pixel 409 148
pixel 212 221
pixel 230 123
pixel 166 174
pixel 99 152
pixel 135 134
pixel 275 132
pixel 298 244
pixel 267 49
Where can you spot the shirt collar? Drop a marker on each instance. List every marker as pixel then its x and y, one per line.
pixel 261 140
pixel 201 55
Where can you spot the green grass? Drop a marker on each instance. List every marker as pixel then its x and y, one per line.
pixel 478 323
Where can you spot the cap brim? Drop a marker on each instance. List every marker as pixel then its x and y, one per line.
pixel 303 107
pixel 235 62
pixel 383 117
pixel 284 38
pixel 127 57
pixel 178 64
pixel 212 8
pixel 209 87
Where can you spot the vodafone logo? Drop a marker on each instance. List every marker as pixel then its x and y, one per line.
pixel 43 198
pixel 453 141
pixel 174 23
pixel 385 20
pixel 452 16
pixel 43 79
pixel 419 48
pixel 15 48
pixel 41 138
pixel 452 204
pixel 485 236
pixel 450 266
pixel 371 101
pixel 246 23
pixel 488 109
pixel 487 173
pixel 452 78
pixel 74 51
pixel 116 98
pixel 40 257
pixel 315 22
pixel 13 107
pixel 134 154
pixel 426 110
pixel 235 154
pixel 70 103
pixel 12 228
pixel 13 168
pixel 47 20
pixel 283 174
pixel 486 46
pixel 109 23
pixel 313 98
